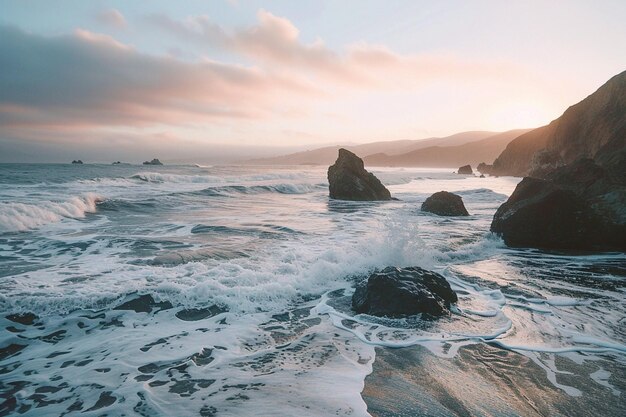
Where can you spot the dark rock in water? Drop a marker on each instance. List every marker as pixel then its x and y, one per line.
pixel 26 319
pixel 483 168
pixel 444 203
pixel 144 304
pixel 77 161
pixel 465 170
pixel 399 292
pixel 578 206
pixel 153 162
pixel 348 180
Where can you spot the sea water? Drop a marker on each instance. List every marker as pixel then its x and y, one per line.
pixel 189 290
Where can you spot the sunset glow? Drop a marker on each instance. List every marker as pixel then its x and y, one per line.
pixel 241 74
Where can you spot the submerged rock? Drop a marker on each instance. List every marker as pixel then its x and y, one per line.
pixel 400 292
pixel 348 180
pixel 26 319
pixel 144 304
pixel 77 161
pixel 465 170
pixel 579 206
pixel 444 203
pixel 155 161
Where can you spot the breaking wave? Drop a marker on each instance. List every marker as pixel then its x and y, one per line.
pixel 16 217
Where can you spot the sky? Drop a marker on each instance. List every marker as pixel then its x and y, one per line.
pixel 184 80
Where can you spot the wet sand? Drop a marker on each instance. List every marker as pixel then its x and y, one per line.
pixel 483 380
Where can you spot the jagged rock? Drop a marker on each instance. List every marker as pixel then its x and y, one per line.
pixel 155 161
pixel 348 180
pixel 400 292
pixel 465 170
pixel 579 206
pixel 444 203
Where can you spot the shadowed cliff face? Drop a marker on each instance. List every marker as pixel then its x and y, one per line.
pixel 594 128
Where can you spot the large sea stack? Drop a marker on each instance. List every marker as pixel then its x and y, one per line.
pixel 348 180
pixel 580 206
pixel 595 128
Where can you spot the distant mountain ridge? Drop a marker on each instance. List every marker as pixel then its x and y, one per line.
pixel 471 153
pixel 593 128
pixel 472 147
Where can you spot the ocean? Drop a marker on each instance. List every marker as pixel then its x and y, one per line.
pixel 225 290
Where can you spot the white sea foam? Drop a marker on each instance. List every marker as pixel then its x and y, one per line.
pixel 24 216
pixel 504 300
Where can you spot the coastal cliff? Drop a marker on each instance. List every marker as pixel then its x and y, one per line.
pixel 594 128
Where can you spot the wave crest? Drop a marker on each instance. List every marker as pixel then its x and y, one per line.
pixel 17 217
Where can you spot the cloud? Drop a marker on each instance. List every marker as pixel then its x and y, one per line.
pixel 274 43
pixel 75 84
pixel 88 79
pixel 112 17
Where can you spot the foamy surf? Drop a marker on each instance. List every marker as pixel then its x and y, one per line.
pixel 16 217
pixel 226 291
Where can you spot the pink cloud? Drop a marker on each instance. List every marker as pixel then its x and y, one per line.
pixel 89 79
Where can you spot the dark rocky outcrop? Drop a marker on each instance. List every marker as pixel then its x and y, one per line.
pixel 444 203
pixel 155 161
pixel 400 292
pixel 465 170
pixel 348 180
pixel 77 161
pixel 580 206
pixel 594 128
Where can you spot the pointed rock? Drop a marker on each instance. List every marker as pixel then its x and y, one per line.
pixel 348 180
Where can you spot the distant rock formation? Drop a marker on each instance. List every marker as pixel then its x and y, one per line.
pixel 116 163
pixel 348 180
pixel 400 292
pixel 594 128
pixel 484 169
pixel 153 162
pixel 465 170
pixel 580 206
pixel 444 203
pixel 77 161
